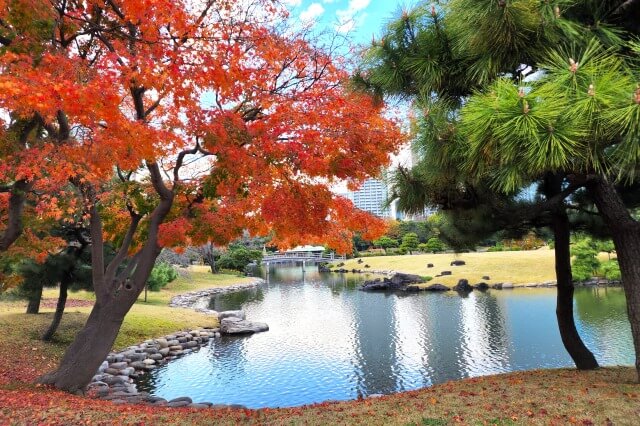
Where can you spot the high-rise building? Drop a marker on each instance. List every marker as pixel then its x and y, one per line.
pixel 371 197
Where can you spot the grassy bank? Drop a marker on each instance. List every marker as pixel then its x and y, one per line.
pixel 538 397
pixel 518 267
pixel 145 319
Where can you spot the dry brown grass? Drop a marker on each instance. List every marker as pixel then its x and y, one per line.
pixel 518 267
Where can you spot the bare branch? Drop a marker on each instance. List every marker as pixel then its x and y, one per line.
pixel 180 161
pixel 624 7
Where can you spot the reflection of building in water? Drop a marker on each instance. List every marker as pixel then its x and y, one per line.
pixel 375 347
pixel 441 336
pixel 485 348
pixel 436 347
pixel 414 341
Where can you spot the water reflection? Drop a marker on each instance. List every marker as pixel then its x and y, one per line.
pixel 327 340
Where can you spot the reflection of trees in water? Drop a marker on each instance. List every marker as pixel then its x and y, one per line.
pixel 236 300
pixel 392 342
pixel 340 282
pixel 602 318
pixel 593 305
pixel 148 382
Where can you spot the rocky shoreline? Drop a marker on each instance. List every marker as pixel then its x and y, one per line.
pixel 197 300
pixel 114 380
pixel 402 282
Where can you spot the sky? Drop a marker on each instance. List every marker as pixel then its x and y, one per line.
pixel 361 18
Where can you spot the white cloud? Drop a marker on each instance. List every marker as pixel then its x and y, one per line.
pixel 293 3
pixel 312 13
pixel 353 16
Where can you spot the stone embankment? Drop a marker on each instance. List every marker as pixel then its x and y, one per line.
pixel 199 300
pixel 115 379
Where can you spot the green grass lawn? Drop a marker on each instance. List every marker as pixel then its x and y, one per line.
pixel 518 267
pixel 189 279
pixel 145 320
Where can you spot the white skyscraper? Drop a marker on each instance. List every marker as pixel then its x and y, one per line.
pixel 371 197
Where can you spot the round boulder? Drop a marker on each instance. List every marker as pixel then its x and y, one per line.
pixel 481 286
pixel 463 286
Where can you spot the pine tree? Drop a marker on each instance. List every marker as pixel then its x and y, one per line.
pixel 485 132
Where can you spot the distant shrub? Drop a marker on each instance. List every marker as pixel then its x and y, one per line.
pixel 237 258
pixel 426 278
pixel 410 242
pixel 161 275
pixel 611 270
pixel 585 263
pixel 434 245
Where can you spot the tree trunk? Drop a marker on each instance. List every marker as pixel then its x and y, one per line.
pixel 116 292
pixel 212 263
pixel 57 316
pixel 581 355
pixel 14 223
pixel 90 347
pixel 625 232
pixel 33 307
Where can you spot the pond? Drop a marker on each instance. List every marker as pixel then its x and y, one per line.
pixel 330 341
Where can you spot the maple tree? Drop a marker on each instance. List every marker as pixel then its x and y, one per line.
pixel 165 123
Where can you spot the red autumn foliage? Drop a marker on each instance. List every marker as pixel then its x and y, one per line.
pixel 134 82
pixel 166 123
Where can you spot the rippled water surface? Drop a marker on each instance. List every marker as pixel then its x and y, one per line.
pixel 329 341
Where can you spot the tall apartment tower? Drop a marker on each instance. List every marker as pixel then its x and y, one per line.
pixel 371 197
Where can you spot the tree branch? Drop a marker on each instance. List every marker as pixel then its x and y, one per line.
pixel 180 161
pixel 63 123
pixel 115 263
pixel 625 6
pixel 97 247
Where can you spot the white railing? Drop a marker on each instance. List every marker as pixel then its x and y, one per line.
pixel 301 256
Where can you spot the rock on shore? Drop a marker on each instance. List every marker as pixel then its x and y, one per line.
pixel 397 282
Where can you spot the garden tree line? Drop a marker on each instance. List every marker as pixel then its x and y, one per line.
pixel 436 234
pixel 531 95
pixel 408 236
pixel 104 103
pixel 236 256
